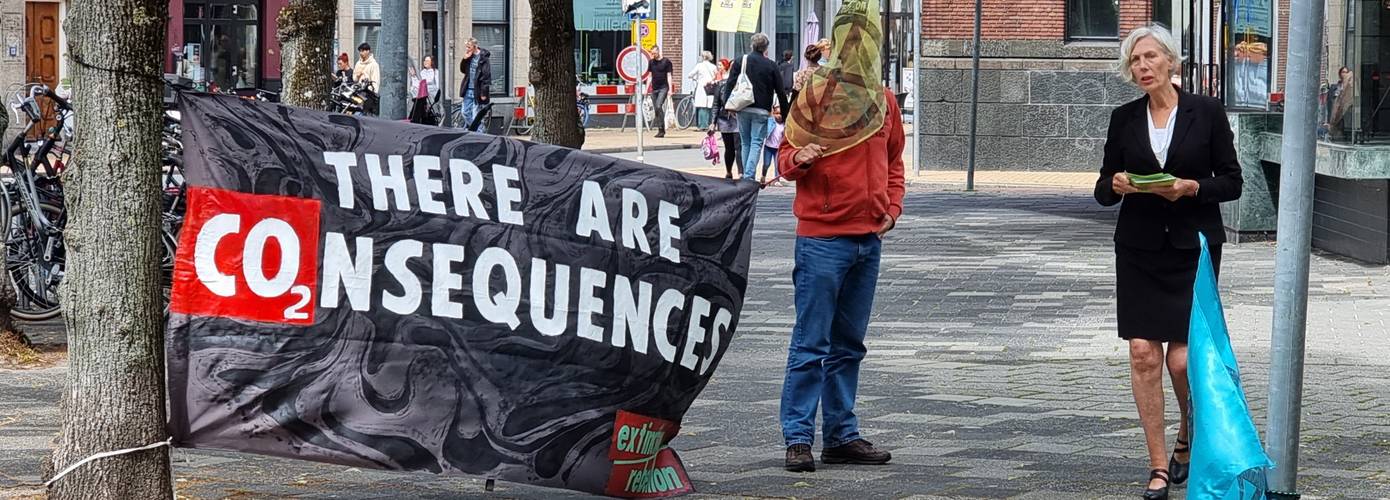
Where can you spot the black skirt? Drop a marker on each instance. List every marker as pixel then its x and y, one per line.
pixel 1153 290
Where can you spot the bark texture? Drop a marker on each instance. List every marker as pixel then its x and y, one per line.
pixel 7 293
pixel 552 32
pixel 110 295
pixel 306 49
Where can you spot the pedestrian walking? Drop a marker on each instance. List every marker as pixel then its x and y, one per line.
pixel 475 90
pixel 813 60
pixel 703 76
pixel 847 159
pixel 771 144
pixel 367 67
pixel 1156 237
pixel 787 70
pixel 752 114
pixel 424 86
pixel 660 69
pixel 726 123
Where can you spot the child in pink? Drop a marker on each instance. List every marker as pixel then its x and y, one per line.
pixel 770 145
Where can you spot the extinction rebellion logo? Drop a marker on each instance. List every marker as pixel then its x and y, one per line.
pixel 643 466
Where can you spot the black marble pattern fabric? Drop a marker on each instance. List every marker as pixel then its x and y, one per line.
pixel 426 393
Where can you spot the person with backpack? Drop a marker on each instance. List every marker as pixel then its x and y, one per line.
pixel 726 123
pixel 754 81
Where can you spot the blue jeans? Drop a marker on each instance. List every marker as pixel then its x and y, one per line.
pixel 470 109
pixel 752 129
pixel 770 160
pixel 834 280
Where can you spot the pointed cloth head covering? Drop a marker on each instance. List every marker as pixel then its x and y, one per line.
pixel 843 103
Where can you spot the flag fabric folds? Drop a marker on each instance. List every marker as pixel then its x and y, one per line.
pixel 1228 461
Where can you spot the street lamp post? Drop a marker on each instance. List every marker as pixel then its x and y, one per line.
pixel 1296 179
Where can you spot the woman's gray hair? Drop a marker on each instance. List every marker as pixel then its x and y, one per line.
pixel 1159 34
pixel 707 55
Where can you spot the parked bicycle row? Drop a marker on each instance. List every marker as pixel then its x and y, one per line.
pixel 33 206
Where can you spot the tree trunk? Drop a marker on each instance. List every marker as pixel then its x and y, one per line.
pixel 7 293
pixel 306 50
pixel 110 295
pixel 552 34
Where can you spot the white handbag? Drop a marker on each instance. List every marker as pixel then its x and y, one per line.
pixel 742 94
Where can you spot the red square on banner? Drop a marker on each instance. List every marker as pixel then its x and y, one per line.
pixel 247 256
pixel 643 467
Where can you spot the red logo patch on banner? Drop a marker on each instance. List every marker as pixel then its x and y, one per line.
pixel 247 256
pixel 643 467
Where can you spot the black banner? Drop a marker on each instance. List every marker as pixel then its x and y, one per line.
pixel 381 294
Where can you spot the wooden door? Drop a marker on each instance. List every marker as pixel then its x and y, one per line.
pixel 41 53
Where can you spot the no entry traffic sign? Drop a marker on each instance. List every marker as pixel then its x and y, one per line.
pixel 630 62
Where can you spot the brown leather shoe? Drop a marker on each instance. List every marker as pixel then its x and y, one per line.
pixel 858 451
pixel 799 458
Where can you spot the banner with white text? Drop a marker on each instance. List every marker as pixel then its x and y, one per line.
pixel 396 296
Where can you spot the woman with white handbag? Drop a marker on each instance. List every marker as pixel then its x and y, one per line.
pixel 754 80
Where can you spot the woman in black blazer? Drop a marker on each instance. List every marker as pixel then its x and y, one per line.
pixel 1156 242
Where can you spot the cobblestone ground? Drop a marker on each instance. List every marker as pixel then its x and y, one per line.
pixel 994 371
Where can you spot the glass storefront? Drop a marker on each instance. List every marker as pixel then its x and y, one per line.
pixel 1355 92
pixel 601 31
pixel 221 44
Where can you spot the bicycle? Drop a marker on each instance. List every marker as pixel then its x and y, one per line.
pixel 33 207
pixel 685 112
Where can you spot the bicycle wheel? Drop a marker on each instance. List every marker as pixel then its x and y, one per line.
pixel 35 262
pixel 685 112
pixel 166 268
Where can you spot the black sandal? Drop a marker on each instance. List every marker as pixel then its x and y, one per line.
pixel 1161 493
pixel 1180 469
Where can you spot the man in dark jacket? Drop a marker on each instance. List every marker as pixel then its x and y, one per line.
pixel 787 68
pixel 752 118
pixel 477 80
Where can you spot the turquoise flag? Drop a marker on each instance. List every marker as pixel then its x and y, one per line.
pixel 1228 461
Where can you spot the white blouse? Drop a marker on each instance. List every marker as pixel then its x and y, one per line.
pixel 1161 138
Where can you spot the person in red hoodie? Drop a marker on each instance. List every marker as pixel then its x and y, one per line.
pixel 843 147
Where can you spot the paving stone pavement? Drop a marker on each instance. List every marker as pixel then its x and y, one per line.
pixel 994 371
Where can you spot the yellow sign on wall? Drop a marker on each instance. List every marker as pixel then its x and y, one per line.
pixel 644 34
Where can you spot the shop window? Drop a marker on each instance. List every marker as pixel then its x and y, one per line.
pixel 1093 19
pixel 490 29
pixel 366 25
pixel 222 44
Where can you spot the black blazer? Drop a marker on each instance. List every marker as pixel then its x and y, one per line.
pixel 1202 149
pixel 766 80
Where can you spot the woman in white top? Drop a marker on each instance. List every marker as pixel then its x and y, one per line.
pixel 702 75
pixel 424 88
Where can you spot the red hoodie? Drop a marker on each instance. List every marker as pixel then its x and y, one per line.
pixel 850 193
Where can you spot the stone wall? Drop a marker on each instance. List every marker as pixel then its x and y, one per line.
pixel 12 68
pixel 1034 114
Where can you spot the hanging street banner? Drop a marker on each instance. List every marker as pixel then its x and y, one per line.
pixel 724 15
pixel 748 15
pixel 380 294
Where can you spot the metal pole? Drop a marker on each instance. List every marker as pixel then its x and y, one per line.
pixel 974 97
pixel 916 88
pixel 392 58
pixel 1295 238
pixel 443 63
pixel 640 96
